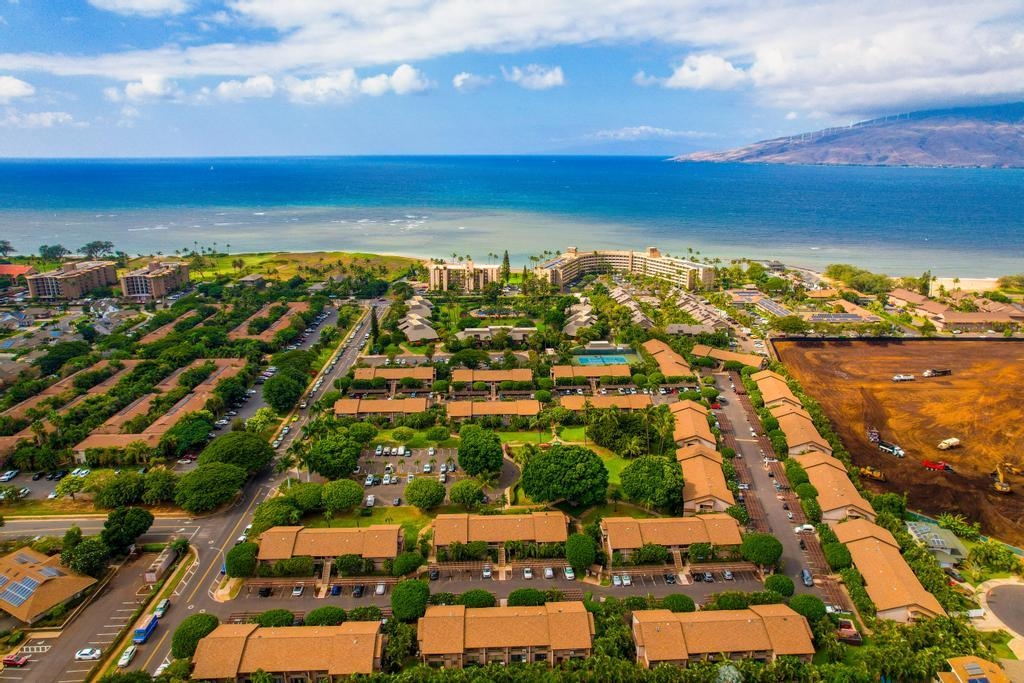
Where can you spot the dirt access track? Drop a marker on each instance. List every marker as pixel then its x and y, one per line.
pixel 981 403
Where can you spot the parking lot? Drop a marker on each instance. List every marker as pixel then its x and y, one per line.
pixel 401 470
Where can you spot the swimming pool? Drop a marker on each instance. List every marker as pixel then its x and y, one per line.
pixel 601 360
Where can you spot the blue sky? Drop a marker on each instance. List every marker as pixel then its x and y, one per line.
pixel 242 77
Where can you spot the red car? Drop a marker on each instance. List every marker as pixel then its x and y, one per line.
pixel 15 660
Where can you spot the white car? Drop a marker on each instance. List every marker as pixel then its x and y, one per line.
pixel 627 580
pixel 127 656
pixel 88 654
pixel 527 573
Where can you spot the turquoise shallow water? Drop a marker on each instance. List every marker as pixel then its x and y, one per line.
pixel 964 222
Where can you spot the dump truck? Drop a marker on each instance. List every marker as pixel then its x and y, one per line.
pixel 891 448
pixel 873 435
pixel 946 444
pixel 872 473
pixel 903 378
pixel 932 372
pixel 937 465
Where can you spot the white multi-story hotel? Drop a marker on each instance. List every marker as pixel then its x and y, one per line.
pixel 566 268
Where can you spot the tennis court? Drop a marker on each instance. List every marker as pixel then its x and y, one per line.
pixel 601 360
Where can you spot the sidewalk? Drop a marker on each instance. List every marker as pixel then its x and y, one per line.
pixel 990 622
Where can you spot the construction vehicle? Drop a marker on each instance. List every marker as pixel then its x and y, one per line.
pixel 891 448
pixel 1000 485
pixel 872 473
pixel 903 378
pixel 946 444
pixel 873 435
pixel 937 465
pixel 932 372
pixel 1012 469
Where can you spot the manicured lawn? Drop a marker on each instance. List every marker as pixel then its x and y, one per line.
pixel 282 266
pixel 998 641
pixel 573 434
pixel 57 506
pixel 587 516
pixel 524 437
pixel 419 440
pixel 417 349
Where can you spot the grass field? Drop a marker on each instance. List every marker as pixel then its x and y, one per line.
pixel 281 265
pixel 573 434
pixel 524 437
pixel 419 440
pixel 412 520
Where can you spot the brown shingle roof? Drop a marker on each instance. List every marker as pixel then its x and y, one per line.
pixel 703 478
pixel 666 636
pixel 593 371
pixel 626 533
pixel 420 372
pixel 234 650
pixel 359 406
pixel 750 359
pixel 626 402
pixel 53 583
pixel 455 629
pixel 801 434
pixel 542 527
pixel 516 375
pixel 669 362
pixel 524 407
pixel 835 490
pixel 888 579
pixel 908 296
pixel 283 542
pixel 691 422
pixel 775 389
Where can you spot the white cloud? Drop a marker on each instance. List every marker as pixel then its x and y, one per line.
pixel 148 89
pixel 699 72
pixel 467 82
pixel 255 87
pixel 801 55
pixel 148 8
pixel 37 119
pixel 535 76
pixel 12 88
pixel 792 116
pixel 631 133
pixel 345 84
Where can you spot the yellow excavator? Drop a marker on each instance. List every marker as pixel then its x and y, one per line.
pixel 1000 485
pixel 1012 469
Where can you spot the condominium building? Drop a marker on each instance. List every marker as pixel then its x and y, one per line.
pixel 461 277
pixel 155 280
pixel 566 268
pixel 72 280
pixel 454 636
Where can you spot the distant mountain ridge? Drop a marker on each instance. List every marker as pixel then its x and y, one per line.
pixel 967 137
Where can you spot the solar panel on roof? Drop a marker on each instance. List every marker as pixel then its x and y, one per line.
pixel 23 559
pixel 30 583
pixel 974 669
pixel 51 572
pixel 3 580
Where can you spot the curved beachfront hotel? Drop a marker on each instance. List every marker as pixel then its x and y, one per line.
pixel 564 269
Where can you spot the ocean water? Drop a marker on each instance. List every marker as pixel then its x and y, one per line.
pixel 956 222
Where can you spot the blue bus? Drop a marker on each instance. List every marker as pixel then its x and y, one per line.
pixel 145 629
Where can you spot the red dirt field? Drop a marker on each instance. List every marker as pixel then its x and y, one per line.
pixel 981 403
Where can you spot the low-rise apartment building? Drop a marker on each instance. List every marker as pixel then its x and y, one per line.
pixel 492 376
pixel 704 485
pixel 494 530
pixel 838 497
pixel 72 280
pixel 753 360
pixel 378 543
pixel 624 535
pixel 691 425
pixel 761 632
pixel 506 410
pixel 155 280
pixel 424 373
pixel 454 636
pixel 564 269
pixel 233 653
pixel 461 277
pixel 516 335
pixel 32 584
pixel 670 363
pixel 775 389
pixel 801 434
pixel 888 579
pixel 627 402
pixel 360 408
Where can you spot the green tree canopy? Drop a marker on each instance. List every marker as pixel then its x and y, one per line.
pixel 334 457
pixel 192 629
pixel 282 392
pixel 241 560
pixel 328 615
pixel 479 450
pixel 88 557
pixel 425 493
pixel 275 617
pixel 123 526
pixel 467 493
pixel 654 481
pixel 409 599
pixel 678 602
pixel 779 583
pixel 406 562
pixel 341 495
pixel 526 597
pixel 242 449
pixel 208 486
pixel 477 597
pixel 580 552
pixel 809 606
pixel 761 549
pixel 572 473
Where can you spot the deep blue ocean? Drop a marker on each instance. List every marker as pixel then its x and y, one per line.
pixel 956 222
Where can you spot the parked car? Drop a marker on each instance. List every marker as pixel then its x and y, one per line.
pixel 616 580
pixel 709 577
pixel 953 574
pixel 358 590
pixel 434 574
pixel 297 591
pixel 527 573
pixel 487 571
pixel 368 481
pixel 265 592
pixel 727 575
pixel 371 500
pixel 549 573
pixel 88 654
pixel 806 577
pixel 627 580
pixel 15 660
pixel 380 589
pixel 335 589
pixel 670 579
pixel 570 574
pixel 8 475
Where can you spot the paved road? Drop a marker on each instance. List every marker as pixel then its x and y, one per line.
pixel 1007 603
pixel 762 485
